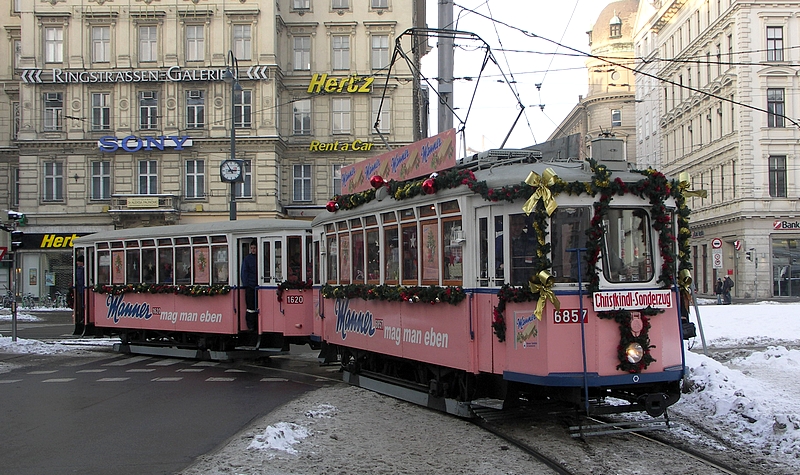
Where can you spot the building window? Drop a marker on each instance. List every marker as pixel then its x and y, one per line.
pixel 777 176
pixel 17 6
pixel 148 110
pixel 195 45
pixel 302 53
pixel 101 111
pixel 774 43
pixel 336 184
pixel 302 183
pixel 53 181
pixel 302 117
pixel 341 51
pixel 775 107
pixel 380 51
pixel 53 45
pixel 195 109
pixel 15 187
pixel 17 53
pixel 341 116
pixel 381 114
pixel 101 44
pixel 616 118
pixel 195 179
pixel 615 27
pixel 101 180
pixel 379 3
pixel 301 4
pixel 242 109
pixel 241 42
pixel 244 189
pixel 148 44
pixel 53 111
pixel 148 177
pixel 338 4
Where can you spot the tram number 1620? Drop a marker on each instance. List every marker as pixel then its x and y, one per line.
pixel 569 315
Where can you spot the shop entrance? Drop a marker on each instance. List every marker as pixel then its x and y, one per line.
pixel 785 268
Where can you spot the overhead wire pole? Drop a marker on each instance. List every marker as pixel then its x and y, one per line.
pixel 445 56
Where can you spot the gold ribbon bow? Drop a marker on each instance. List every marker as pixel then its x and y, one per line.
pixel 542 185
pixel 684 187
pixel 542 284
pixel 685 279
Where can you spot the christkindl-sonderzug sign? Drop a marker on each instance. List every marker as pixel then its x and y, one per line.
pixel 171 74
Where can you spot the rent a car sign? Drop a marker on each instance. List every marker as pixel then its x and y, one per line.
pixel 632 300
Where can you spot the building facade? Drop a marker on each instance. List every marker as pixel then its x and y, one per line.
pixel 119 113
pixel 609 105
pixel 728 91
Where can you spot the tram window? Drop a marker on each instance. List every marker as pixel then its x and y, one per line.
pixel 499 251
pixel 266 255
pixel 103 267
pixel 483 252
pixel 371 220
pixel 427 210
pixel 392 255
pixel 388 217
pixel 627 253
pixel 430 252
pixel 453 252
pixel 181 241
pixel 407 214
pixel 219 265
pixel 200 240
pixel 449 207
pixel 202 265
pixel 309 257
pixel 278 261
pixel 183 265
pixel 568 231
pixel 149 266
pixel 355 223
pixel 132 266
pixel 165 242
pixel 358 257
pixel 329 228
pixel 165 266
pixel 294 245
pixel 344 259
pixel 524 245
pixel 409 253
pixel 148 243
pixel 316 262
pixel 219 239
pixel 373 256
pixel 333 259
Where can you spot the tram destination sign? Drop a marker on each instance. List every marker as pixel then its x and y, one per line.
pixel 171 74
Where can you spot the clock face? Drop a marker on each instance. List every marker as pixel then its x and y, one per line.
pixel 231 170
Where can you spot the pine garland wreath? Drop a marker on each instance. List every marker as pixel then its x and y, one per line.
pixel 396 293
pixel 288 285
pixel 623 318
pixel 190 290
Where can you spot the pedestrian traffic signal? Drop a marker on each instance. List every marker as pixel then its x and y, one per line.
pixel 16 239
pixel 749 255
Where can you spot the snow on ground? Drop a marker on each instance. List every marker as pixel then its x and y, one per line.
pixel 749 398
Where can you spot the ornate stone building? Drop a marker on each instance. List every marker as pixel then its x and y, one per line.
pixel 117 113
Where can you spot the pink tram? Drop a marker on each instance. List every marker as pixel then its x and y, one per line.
pixel 473 284
pixel 176 289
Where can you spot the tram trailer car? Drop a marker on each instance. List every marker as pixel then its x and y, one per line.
pixel 431 297
pixel 176 289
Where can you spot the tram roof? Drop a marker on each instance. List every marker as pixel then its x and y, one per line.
pixel 242 227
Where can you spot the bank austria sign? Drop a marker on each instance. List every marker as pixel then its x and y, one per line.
pixel 133 143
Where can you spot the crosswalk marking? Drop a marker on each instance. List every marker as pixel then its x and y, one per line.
pixel 234 370
pixel 190 370
pixel 58 380
pixel 221 379
pixel 50 371
pixel 128 361
pixel 140 370
pixel 168 362
pixel 166 379
pixel 273 379
pixel 99 370
pixel 206 363
pixel 3 381
pixel 103 380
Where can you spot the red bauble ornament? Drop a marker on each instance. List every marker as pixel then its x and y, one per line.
pixel 332 206
pixel 429 186
pixel 377 181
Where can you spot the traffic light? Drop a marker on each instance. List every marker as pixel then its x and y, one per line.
pixel 16 239
pixel 20 218
pixel 749 255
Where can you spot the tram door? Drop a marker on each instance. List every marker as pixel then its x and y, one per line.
pixel 491 247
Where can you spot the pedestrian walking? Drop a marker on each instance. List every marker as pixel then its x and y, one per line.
pixel 718 290
pixel 727 285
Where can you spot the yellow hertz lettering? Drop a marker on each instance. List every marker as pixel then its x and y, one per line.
pixel 354 84
pixel 52 240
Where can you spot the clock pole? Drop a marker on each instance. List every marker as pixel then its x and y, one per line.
pixel 232 77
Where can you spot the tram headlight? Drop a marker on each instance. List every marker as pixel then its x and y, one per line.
pixel 634 352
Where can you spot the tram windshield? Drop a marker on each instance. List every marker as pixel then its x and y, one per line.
pixel 627 253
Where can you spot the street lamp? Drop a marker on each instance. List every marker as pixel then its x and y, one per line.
pixel 229 167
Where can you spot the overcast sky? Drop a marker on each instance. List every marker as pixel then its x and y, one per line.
pixel 562 78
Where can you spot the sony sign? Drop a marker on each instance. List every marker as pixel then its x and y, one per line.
pixel 132 143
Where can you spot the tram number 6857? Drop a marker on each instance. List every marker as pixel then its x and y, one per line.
pixel 569 315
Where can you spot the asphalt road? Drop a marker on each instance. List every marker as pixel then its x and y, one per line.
pixel 100 412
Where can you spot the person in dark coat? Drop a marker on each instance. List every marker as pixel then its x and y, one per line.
pixel 727 285
pixel 718 290
pixel 80 295
pixel 250 283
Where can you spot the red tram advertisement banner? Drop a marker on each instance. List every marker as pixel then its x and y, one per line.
pixel 417 159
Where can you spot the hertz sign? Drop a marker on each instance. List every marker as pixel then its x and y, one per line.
pixel 49 240
pixel 353 84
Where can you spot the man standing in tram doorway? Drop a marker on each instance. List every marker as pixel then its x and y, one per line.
pixel 80 295
pixel 250 282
